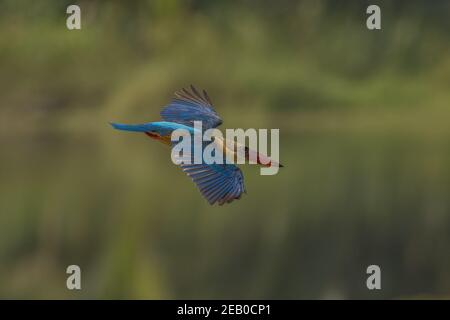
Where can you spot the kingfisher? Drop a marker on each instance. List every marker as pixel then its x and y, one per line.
pixel 218 182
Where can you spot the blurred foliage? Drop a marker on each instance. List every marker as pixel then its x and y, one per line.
pixel 363 117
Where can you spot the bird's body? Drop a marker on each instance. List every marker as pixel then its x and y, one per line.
pixel 217 182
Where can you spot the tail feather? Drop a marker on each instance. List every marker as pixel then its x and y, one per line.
pixel 130 127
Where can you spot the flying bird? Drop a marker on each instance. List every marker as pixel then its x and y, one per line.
pixel 218 183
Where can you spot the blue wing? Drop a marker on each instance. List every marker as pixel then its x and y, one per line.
pixel 217 182
pixel 189 106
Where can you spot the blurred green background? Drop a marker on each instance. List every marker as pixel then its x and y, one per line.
pixel 364 133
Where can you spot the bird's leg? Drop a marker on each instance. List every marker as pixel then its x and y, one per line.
pixel 158 137
pixel 152 135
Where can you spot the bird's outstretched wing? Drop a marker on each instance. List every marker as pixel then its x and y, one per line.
pixel 189 106
pixel 217 182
